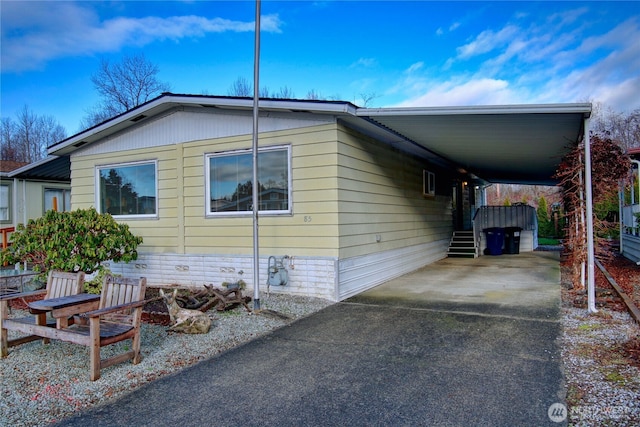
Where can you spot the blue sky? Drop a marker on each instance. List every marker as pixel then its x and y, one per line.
pixel 417 53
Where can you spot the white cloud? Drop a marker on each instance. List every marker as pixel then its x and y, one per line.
pixel 549 61
pixel 414 67
pixel 567 17
pixel 452 27
pixel 487 41
pixel 364 62
pixel 473 92
pixel 31 38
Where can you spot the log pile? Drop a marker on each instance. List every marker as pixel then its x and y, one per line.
pixel 220 298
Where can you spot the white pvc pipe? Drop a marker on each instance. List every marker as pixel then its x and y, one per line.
pixel 591 289
pixel 621 213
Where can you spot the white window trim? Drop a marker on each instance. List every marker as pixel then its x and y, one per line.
pixel 119 165
pixel 50 188
pixel 10 204
pixel 428 183
pixel 207 204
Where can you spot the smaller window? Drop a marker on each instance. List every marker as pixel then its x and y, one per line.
pixel 428 183
pixel 127 189
pixel 58 198
pixel 5 203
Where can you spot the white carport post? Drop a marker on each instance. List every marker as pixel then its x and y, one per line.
pixel 254 192
pixel 591 291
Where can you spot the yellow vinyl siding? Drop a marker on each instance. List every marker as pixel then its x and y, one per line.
pixel 182 225
pixel 381 195
pixel 159 234
pixel 346 189
pixel 314 190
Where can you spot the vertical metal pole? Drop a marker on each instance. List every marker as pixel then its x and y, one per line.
pixel 255 189
pixel 621 213
pixel 580 225
pixel 591 290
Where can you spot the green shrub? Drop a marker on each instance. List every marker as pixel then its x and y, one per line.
pixel 72 241
pixel 545 225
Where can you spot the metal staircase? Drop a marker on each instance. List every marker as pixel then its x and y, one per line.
pixel 462 245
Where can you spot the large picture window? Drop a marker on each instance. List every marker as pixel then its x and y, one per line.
pixel 128 189
pixel 230 176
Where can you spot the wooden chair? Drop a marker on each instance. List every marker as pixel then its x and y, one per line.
pixel 118 318
pixel 59 284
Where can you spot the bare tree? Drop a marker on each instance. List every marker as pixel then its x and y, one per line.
pixel 313 95
pixel 50 131
pixel 241 87
pixel 285 92
pixel 263 92
pixel 123 86
pixel 623 128
pixel 8 143
pixel 27 138
pixel 28 135
pixel 367 98
pixel 609 166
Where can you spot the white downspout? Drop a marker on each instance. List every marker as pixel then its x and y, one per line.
pixel 621 210
pixel 14 203
pixel 633 188
pixel 591 291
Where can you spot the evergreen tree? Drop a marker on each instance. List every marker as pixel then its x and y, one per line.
pixel 545 226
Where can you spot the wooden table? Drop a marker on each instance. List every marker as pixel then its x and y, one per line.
pixel 64 307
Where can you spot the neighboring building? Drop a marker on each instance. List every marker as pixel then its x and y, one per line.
pixel 349 197
pixel 629 223
pixel 27 191
pixel 6 192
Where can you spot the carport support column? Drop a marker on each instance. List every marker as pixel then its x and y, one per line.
pixel 591 291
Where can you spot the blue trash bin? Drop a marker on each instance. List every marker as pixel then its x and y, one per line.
pixel 495 240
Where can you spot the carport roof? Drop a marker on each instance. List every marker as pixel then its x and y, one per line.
pixel 515 143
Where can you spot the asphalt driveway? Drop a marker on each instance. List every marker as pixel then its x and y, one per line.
pixel 480 357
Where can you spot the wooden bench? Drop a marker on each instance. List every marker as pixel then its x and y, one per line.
pixel 117 318
pixel 59 284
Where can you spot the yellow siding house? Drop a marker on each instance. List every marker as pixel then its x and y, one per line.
pixel 344 204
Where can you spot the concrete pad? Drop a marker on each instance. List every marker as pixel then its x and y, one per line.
pixel 525 285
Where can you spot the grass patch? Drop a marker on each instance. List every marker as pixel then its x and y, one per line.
pixel 548 242
pixel 587 327
pixel 614 377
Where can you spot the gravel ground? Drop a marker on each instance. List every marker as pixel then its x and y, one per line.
pixel 602 389
pixel 37 389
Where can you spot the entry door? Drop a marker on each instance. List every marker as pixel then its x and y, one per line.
pixel 457 207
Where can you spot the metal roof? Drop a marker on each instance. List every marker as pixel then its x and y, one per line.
pixel 513 144
pixel 52 168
